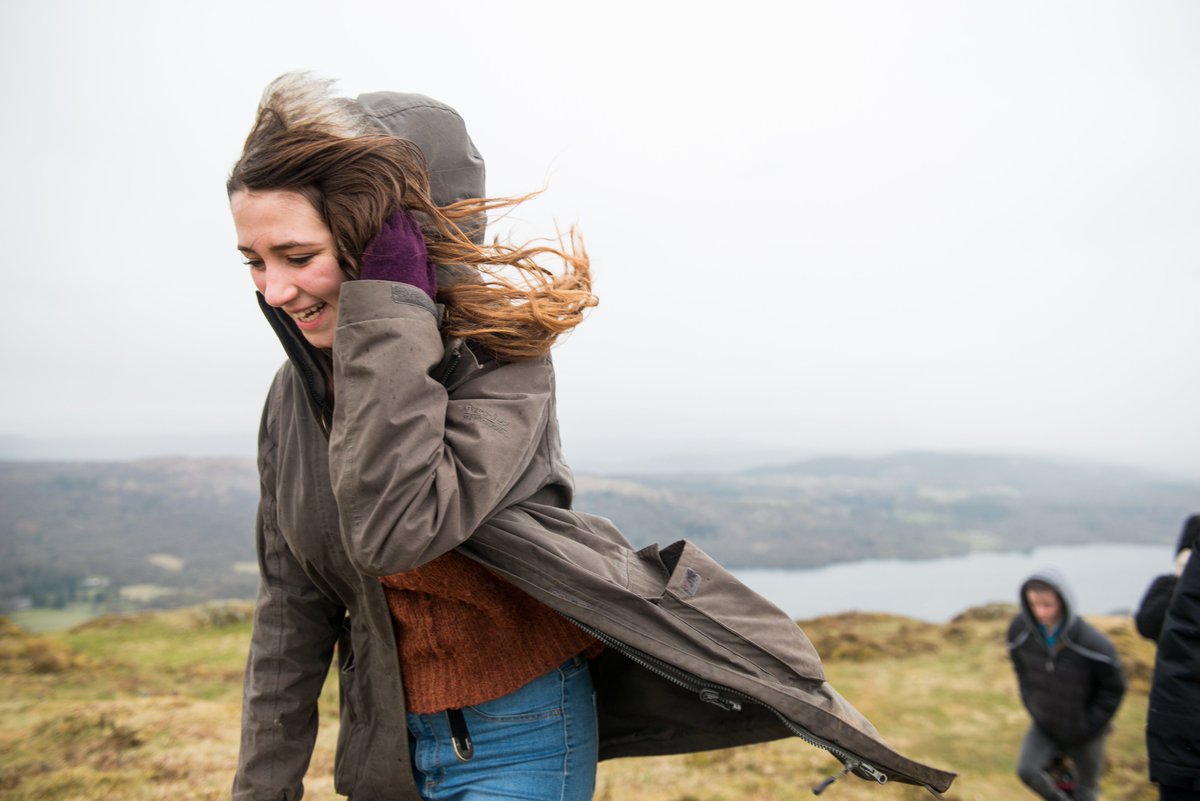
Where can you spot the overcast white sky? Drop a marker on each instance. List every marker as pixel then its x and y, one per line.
pixel 815 227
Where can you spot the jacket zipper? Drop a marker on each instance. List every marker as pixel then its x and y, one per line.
pixel 451 366
pixel 731 700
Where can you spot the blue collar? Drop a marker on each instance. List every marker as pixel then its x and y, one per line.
pixel 1051 637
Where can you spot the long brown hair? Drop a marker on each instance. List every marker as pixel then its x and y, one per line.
pixel 324 149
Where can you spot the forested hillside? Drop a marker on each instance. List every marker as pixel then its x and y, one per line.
pixel 906 506
pixel 168 532
pixel 165 533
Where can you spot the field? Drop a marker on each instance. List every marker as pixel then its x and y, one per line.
pixel 145 708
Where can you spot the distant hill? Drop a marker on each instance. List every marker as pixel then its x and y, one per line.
pixel 907 505
pixel 178 530
pixel 168 532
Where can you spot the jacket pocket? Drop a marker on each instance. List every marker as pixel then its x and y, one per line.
pixel 737 621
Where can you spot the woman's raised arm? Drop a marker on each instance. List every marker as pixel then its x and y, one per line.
pixel 414 472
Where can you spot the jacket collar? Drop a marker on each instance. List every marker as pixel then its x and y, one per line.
pixel 314 365
pixel 307 360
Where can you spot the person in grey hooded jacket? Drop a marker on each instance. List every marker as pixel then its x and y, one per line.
pixel 1070 681
pixel 440 459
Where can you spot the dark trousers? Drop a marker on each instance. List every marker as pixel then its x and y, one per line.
pixel 1038 752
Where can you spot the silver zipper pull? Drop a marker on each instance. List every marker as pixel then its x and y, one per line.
pixel 875 773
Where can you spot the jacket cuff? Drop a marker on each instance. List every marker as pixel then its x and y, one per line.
pixel 359 301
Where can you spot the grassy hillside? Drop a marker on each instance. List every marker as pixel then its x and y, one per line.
pixel 145 707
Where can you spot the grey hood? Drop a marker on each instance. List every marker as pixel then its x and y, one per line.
pixel 456 170
pixel 1058 580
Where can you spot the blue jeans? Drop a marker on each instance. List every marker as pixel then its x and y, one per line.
pixel 537 743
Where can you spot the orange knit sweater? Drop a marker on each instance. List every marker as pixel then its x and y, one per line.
pixel 467 636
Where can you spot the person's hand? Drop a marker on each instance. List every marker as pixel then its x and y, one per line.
pixel 397 253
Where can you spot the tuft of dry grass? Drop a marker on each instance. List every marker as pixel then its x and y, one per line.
pixel 22 653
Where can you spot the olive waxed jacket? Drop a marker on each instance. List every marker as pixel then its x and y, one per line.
pixel 431 447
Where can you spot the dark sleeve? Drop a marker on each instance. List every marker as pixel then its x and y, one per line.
pixel 1013 639
pixel 291 646
pixel 1109 689
pixel 1153 608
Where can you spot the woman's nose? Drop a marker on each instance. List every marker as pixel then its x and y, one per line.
pixel 277 286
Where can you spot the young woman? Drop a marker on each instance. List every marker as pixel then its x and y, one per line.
pixel 416 508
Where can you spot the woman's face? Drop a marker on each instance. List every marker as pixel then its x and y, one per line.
pixel 292 258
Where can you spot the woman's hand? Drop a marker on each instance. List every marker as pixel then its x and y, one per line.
pixel 397 253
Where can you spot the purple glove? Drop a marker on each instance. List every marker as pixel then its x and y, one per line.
pixel 397 253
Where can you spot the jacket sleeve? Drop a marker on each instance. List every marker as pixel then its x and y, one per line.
pixel 1013 641
pixel 1109 689
pixel 414 471
pixel 291 646
pixel 1153 608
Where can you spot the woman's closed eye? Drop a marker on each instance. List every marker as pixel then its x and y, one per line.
pixel 293 261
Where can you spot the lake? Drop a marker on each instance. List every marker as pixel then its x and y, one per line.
pixel 1107 579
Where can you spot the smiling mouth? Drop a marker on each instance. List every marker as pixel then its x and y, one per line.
pixel 310 314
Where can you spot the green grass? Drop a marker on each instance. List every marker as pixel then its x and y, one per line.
pixel 145 707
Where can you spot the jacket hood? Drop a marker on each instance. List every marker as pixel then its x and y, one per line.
pixel 1056 579
pixel 456 172
pixel 1189 537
